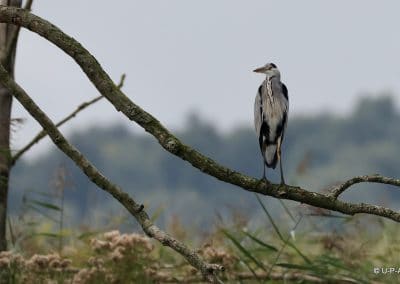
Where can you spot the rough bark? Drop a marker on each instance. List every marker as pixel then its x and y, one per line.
pixel 208 270
pixel 122 103
pixel 7 55
pixel 168 141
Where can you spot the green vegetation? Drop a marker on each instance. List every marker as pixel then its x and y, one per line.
pixel 62 228
pixel 249 256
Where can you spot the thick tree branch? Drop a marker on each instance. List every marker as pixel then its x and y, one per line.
pixel 337 190
pixel 122 103
pixel 208 270
pixel 8 56
pixel 43 133
pixel 6 35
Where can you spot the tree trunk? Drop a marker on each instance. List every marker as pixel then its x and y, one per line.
pixel 6 32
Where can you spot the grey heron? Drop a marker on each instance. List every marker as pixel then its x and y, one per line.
pixel 271 108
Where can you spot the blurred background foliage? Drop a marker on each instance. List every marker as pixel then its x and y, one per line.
pixel 57 210
pixel 319 151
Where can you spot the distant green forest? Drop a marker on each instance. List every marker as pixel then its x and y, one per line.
pixel 319 150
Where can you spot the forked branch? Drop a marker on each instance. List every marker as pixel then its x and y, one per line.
pixel 208 270
pixel 337 190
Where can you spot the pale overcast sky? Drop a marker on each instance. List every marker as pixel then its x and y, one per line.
pixel 198 55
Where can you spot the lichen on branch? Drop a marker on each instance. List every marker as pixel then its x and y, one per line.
pixel 167 140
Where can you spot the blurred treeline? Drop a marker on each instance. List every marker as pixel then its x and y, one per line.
pixel 319 150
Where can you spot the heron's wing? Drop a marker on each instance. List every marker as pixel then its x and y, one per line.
pixel 258 117
pixel 285 92
pixel 259 123
pixel 286 109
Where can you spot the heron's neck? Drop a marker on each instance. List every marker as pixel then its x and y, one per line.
pixel 273 77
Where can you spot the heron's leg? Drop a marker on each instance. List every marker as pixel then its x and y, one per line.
pixel 280 161
pixel 264 177
pixel 280 164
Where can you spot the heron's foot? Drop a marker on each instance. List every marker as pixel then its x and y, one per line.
pixel 266 182
pixel 264 179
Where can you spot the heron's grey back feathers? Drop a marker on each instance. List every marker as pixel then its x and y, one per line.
pixel 270 117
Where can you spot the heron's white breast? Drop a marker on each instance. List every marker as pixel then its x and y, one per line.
pixel 273 113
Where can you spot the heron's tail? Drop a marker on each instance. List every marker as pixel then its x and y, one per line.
pixel 271 156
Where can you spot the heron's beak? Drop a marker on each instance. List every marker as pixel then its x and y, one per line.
pixel 260 70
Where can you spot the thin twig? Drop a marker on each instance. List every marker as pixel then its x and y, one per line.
pixel 11 230
pixel 337 190
pixel 43 133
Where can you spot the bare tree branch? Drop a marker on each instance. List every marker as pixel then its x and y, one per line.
pixel 137 210
pixel 6 32
pixel 28 5
pixel 8 56
pixel 337 190
pixel 122 103
pixel 43 133
pixel 168 141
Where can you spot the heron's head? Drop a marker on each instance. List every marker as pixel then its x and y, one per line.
pixel 269 69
